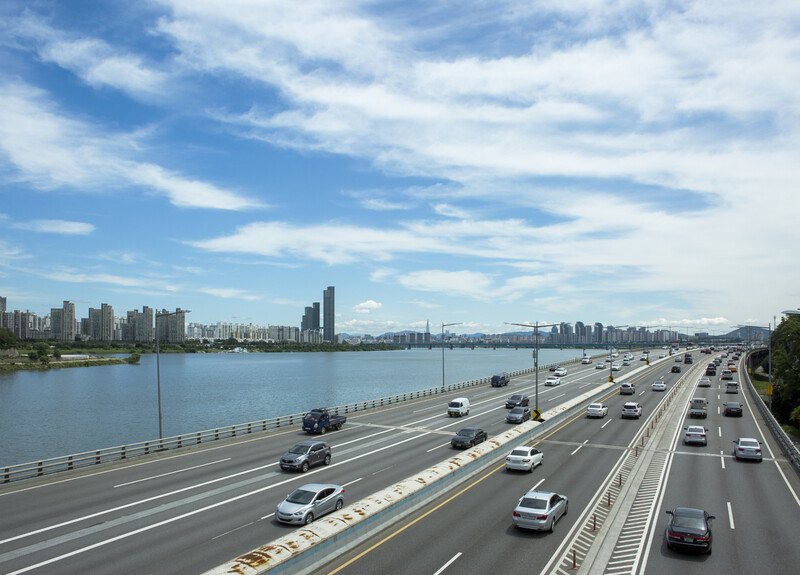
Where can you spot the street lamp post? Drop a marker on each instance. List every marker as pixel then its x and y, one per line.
pixel 535 327
pixel 158 366
pixel 443 326
pixel 611 355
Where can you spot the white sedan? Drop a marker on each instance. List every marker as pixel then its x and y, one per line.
pixel 615 367
pixel 553 381
pixel 560 372
pixel 659 386
pixel 597 410
pixel 600 365
pixel 524 458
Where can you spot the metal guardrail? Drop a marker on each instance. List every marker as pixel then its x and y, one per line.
pixel 787 446
pixel 122 452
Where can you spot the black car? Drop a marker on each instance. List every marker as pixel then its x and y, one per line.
pixel 499 380
pixel 733 408
pixel 711 370
pixel 676 369
pixel 517 400
pixel 689 530
pixel 469 437
pixel 554 367
pixel 519 415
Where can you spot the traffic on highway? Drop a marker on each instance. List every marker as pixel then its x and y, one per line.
pixel 188 512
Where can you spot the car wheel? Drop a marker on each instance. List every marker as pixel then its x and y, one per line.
pixel 566 508
pixel 553 524
pixel 323 430
pixel 339 505
pixel 530 469
pixel 308 518
pixel 709 551
pixel 304 467
pixel 327 460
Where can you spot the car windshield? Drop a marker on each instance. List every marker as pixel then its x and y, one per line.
pixel 468 432
pixel 310 416
pixel 515 397
pixel 299 449
pixel 301 496
pixel 533 503
pixel 518 411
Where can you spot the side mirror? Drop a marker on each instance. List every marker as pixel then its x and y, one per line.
pixel 710 517
pixel 668 512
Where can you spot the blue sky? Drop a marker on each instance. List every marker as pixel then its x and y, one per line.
pixel 628 162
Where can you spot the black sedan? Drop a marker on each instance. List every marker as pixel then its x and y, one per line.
pixel 519 415
pixel 676 369
pixel 468 437
pixel 689 530
pixel 733 409
pixel 517 400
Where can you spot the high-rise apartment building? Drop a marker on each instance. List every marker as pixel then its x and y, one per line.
pixel 106 322
pixel 328 301
pixel 171 326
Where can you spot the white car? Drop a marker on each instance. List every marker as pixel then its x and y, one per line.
pixel 597 410
pixel 524 458
pixel 586 360
pixel 632 409
pixel 644 357
pixel 704 382
pixel 615 367
pixel 659 385
pixel 695 434
pixel 662 355
pixel 560 372
pixel 553 381
pixel 678 359
pixel 600 365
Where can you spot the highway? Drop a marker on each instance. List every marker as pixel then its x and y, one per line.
pixel 188 512
pixel 755 504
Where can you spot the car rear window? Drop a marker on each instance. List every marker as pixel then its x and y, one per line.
pixel 533 503
pixel 521 452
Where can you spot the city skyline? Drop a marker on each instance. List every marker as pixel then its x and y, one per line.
pixel 481 164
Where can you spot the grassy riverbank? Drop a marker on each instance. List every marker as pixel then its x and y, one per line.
pixel 24 363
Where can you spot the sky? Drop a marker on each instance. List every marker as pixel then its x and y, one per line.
pixel 629 162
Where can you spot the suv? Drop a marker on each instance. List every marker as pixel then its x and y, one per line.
pixel 306 454
pixel 517 400
pixel 499 380
pixel 631 409
pixel 627 389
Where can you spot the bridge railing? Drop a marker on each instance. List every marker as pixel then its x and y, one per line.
pixel 787 446
pixel 123 452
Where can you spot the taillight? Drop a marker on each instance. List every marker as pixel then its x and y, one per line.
pixel 702 435
pixel 515 514
pixel 541 517
pixel 702 539
pixel 526 460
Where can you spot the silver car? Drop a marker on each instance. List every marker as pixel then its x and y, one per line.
pixel 747 448
pixel 596 410
pixel 524 458
pixel 695 434
pixel 308 502
pixel 539 510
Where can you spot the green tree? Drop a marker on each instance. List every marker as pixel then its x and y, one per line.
pixel 57 353
pixel 7 339
pixel 786 365
pixel 134 358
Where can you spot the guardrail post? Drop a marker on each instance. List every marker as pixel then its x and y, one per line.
pixel 199 437
pixel 97 457
pixel 146 447
pixel 70 464
pixel 7 475
pixel 123 453
pixel 180 441
pixel 216 434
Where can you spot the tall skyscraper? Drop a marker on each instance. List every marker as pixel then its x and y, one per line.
pixel 328 300
pixel 106 322
pixel 68 326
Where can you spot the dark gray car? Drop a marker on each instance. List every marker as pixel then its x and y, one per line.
pixel 469 437
pixel 519 415
pixel 306 454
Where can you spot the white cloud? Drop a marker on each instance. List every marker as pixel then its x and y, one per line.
pixel 55 227
pixel 51 151
pixel 228 293
pixel 367 306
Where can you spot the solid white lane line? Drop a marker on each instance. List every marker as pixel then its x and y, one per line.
pixel 722 458
pixel 556 397
pixel 351 482
pixel 730 515
pixel 538 484
pixel 172 472
pixel 437 447
pixel 446 565
pixel 719 429
pixel 606 423
pixel 576 449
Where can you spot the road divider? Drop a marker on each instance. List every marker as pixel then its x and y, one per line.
pixel 308 548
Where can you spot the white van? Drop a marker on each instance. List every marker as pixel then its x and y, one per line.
pixel 458 407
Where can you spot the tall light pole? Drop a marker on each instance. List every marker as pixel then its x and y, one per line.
pixel 535 327
pixel 158 365
pixel 443 326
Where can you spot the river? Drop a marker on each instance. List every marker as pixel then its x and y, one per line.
pixel 63 411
